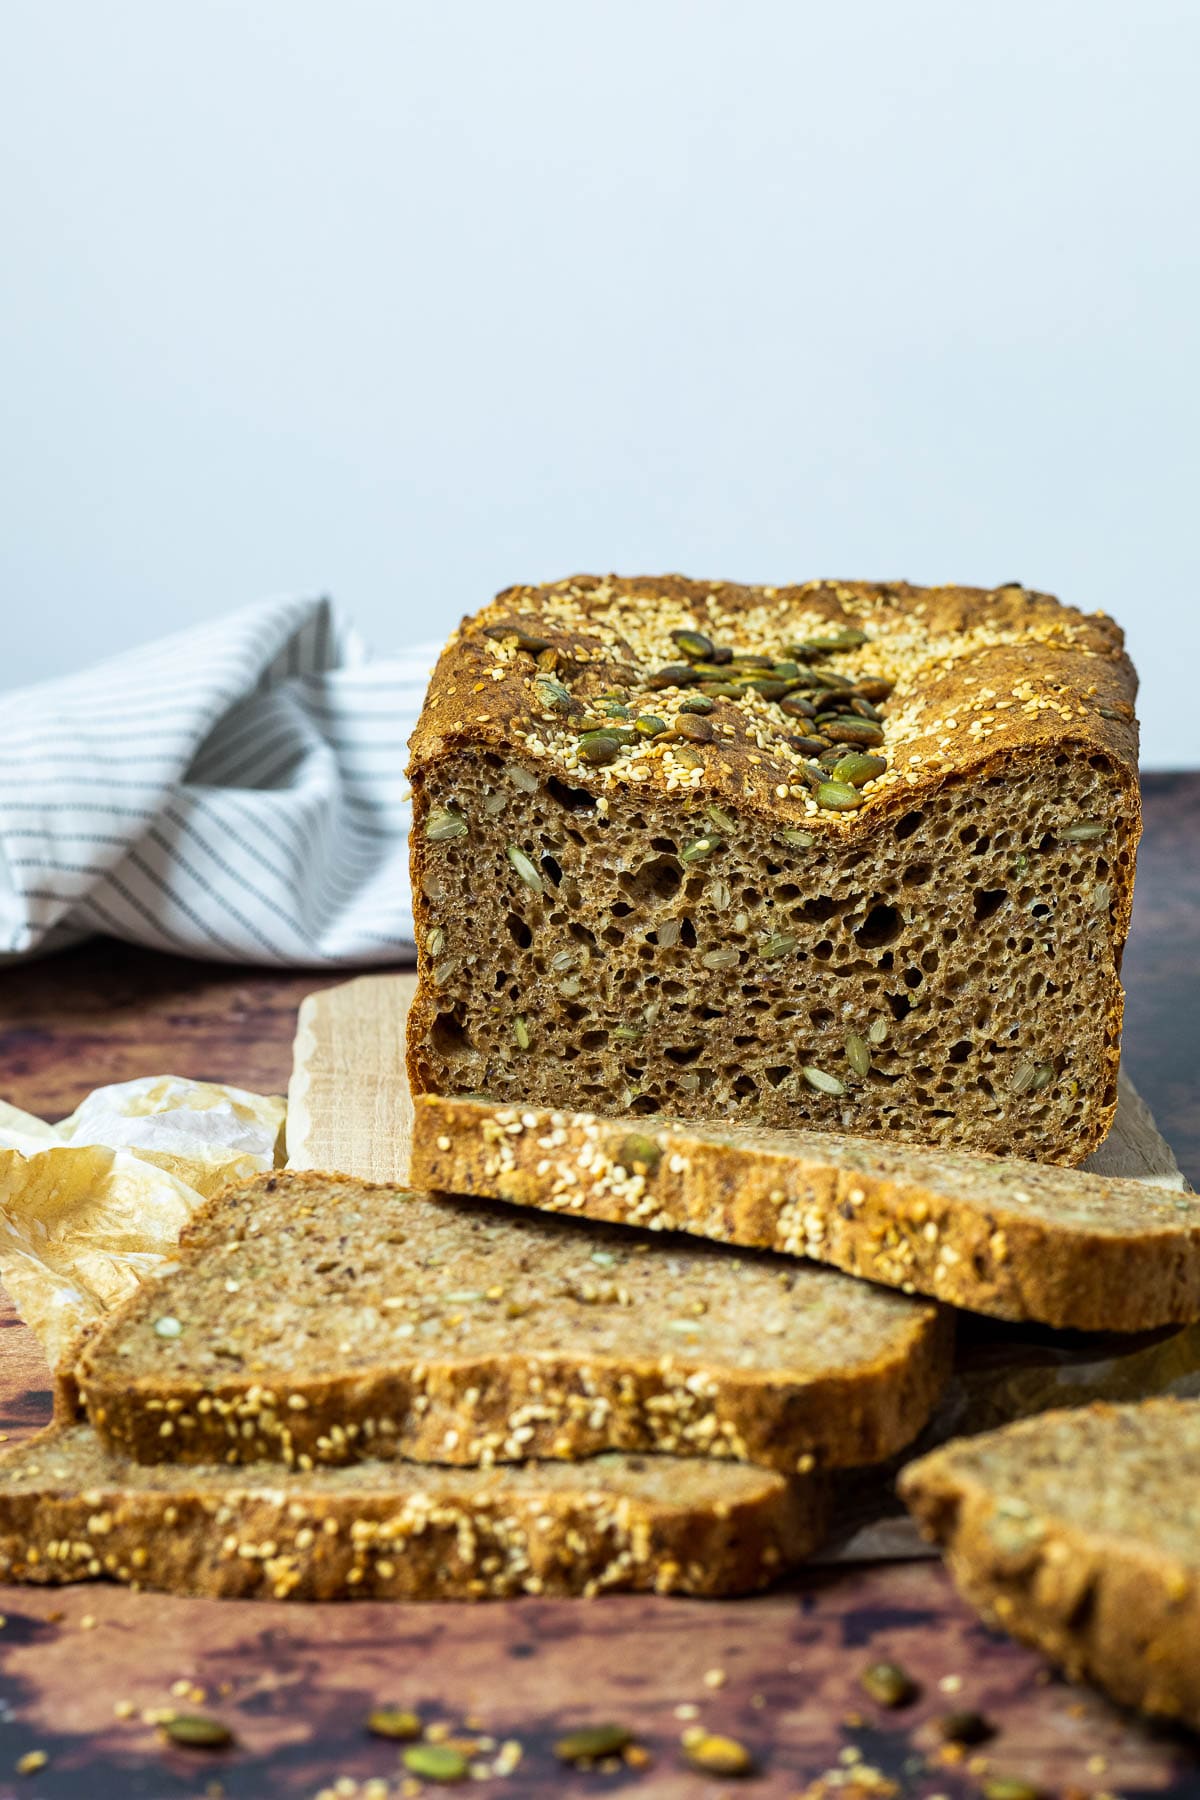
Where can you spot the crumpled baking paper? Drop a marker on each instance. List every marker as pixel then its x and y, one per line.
pixel 90 1207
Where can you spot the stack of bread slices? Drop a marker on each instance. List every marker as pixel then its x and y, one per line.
pixel 809 996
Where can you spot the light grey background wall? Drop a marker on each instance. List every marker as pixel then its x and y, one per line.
pixel 407 301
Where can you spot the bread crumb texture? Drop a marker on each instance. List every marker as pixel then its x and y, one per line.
pixel 1079 1532
pixel 71 1510
pixel 323 1320
pixel 1010 1238
pixel 850 855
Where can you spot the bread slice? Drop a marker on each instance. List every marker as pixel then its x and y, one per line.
pixel 1005 1237
pixel 627 906
pixel 318 1319
pixel 1079 1531
pixel 70 1510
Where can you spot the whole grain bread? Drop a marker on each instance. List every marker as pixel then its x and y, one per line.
pixel 71 1510
pixel 1079 1532
pixel 320 1320
pixel 628 906
pixel 1013 1239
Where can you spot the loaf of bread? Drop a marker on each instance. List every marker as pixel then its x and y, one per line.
pixel 320 1320
pixel 997 1235
pixel 71 1510
pixel 852 856
pixel 1079 1532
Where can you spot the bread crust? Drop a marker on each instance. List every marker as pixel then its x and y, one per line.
pixel 71 1512
pixel 988 683
pixel 1112 1600
pixel 431 1400
pixel 1011 1239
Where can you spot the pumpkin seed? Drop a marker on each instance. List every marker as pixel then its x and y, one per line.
pixel 598 748
pixel 443 824
pixel 612 708
pixel 696 703
pixel 532 646
pixel 716 1755
pixel 197 1732
pixel 751 659
pixel 627 1034
pixel 829 643
pixel 889 1684
pixel 864 709
pixel 435 943
pixel 696 730
pixel 857 1054
pixel 436 1762
pixel 700 849
pixel 443 971
pixel 797 707
pixel 553 694
pixel 570 986
pixel 1043 1075
pixel 830 755
pixel 858 768
pixel 721 653
pixel 1084 831
pixel 873 687
pixel 718 895
pixel 824 1084
pixel 802 840
pixel 837 796
pixel 492 805
pixel 694 645
pixel 780 943
pixel 521 1034
pixel 720 690
pixel 849 729
pixel 1101 897
pixel 687 756
pixel 672 675
pixel 966 1728
pixel 649 725
pixel 393 1722
pixel 770 690
pixel 878 1031
pixel 588 1742
pixel 1010 1787
pixel 525 868
pixel 807 746
pixel 726 957
pixel 522 778
pixel 667 934
pixel 786 671
pixel 639 1153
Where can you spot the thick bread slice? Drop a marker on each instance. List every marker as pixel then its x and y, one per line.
pixel 70 1510
pixel 637 889
pixel 1079 1532
pixel 1010 1238
pixel 318 1319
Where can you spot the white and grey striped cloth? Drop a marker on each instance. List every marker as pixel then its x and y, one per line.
pixel 234 792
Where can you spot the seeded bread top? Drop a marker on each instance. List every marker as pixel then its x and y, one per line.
pixel 1119 1472
pixel 297 1278
pixel 960 676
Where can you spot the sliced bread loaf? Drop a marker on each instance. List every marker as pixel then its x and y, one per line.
pixel 850 855
pixel 1014 1239
pixel 70 1510
pixel 1079 1532
pixel 317 1319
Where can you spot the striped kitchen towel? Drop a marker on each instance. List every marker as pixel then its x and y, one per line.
pixel 234 792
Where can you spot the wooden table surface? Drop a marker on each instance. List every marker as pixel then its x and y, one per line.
pixel 295 1682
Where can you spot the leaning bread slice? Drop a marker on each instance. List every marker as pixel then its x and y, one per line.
pixel 317 1319
pixel 71 1510
pixel 1016 1240
pixel 1079 1531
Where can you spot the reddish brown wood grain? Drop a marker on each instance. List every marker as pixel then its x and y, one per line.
pixel 296 1682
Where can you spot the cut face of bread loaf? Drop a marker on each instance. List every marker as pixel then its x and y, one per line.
pixel 71 1510
pixel 997 1235
pixel 319 1320
pixel 625 904
pixel 1079 1532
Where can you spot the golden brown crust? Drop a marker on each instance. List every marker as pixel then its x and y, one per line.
pixel 348 1340
pixel 1077 1532
pixel 988 684
pixel 1011 1239
pixel 70 1511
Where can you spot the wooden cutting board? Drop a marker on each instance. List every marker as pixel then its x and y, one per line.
pixel 349 1107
